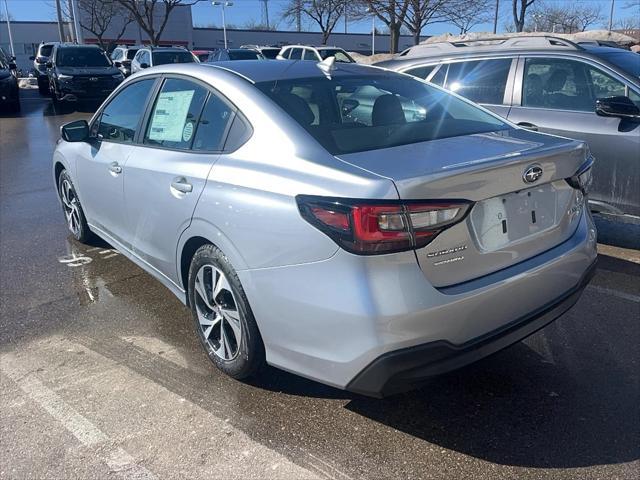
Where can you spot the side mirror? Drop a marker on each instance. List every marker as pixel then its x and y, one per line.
pixel 620 106
pixel 32 58
pixel 49 65
pixel 144 65
pixel 117 64
pixel 77 131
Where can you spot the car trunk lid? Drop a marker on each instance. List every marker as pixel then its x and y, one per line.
pixel 511 220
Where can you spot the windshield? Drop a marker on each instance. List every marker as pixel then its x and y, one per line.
pixel 628 61
pixel 45 50
pixel 81 57
pixel 244 55
pixel 161 58
pixel 349 114
pixel 340 55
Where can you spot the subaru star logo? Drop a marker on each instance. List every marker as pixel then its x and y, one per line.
pixel 532 173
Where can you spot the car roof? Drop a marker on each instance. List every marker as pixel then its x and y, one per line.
pixel 260 71
pixel 76 45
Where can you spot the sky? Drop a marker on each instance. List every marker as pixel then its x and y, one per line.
pixel 249 11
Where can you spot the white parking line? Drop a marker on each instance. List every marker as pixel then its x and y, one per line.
pixel 608 291
pixel 118 460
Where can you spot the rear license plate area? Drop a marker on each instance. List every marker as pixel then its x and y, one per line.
pixel 500 221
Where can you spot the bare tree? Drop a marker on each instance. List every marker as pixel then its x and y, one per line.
pixel 519 13
pixel 392 13
pixel 99 16
pixel 423 12
pixel 324 13
pixel 153 15
pixel 572 18
pixel 465 14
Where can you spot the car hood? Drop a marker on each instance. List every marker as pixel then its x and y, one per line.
pixel 88 71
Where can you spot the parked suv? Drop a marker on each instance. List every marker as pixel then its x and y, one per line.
pixel 9 89
pixel 122 56
pixel 81 72
pixel 40 66
pixel 317 54
pixel 587 92
pixel 153 56
pixel 353 225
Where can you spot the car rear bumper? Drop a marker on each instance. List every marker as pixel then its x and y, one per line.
pixel 405 369
pixel 375 325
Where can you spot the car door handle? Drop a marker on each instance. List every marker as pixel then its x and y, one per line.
pixel 181 185
pixel 115 168
pixel 528 126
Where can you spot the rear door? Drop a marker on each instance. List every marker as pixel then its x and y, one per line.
pixel 184 133
pixel 558 95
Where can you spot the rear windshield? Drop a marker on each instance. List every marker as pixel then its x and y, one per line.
pixel 627 61
pixel 270 53
pixel 349 114
pixel 45 50
pixel 162 58
pixel 244 55
pixel 81 57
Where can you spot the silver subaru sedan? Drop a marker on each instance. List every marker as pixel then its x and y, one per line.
pixel 356 226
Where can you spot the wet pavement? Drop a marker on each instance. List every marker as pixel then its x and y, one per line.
pixel 101 374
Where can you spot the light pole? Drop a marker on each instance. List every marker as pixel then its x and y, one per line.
pixel 613 3
pixel 6 10
pixel 373 30
pixel 224 24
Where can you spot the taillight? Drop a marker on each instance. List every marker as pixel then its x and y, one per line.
pixel 583 178
pixel 369 227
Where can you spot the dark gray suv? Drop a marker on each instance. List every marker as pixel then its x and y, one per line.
pixel 587 92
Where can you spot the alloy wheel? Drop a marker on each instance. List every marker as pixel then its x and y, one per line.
pixel 71 207
pixel 218 313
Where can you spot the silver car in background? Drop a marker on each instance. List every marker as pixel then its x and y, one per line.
pixel 584 91
pixel 352 225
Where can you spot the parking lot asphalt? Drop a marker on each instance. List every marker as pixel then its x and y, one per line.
pixel 101 374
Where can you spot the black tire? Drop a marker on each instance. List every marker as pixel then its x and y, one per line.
pixel 81 232
pixel 250 357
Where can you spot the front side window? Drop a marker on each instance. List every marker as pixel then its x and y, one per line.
pixel 354 113
pixel 81 57
pixel 120 118
pixel 481 81
pixel 212 124
pixel 131 53
pixel 175 114
pixel 309 55
pixel 296 54
pixel 559 84
pixel 603 85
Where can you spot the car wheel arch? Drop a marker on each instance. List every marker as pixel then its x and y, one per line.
pixel 197 234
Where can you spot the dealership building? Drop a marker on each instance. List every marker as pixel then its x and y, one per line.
pixel 180 31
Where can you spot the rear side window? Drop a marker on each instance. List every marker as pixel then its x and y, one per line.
pixel 213 124
pixel 120 118
pixel 420 72
pixel 175 114
pixel 482 81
